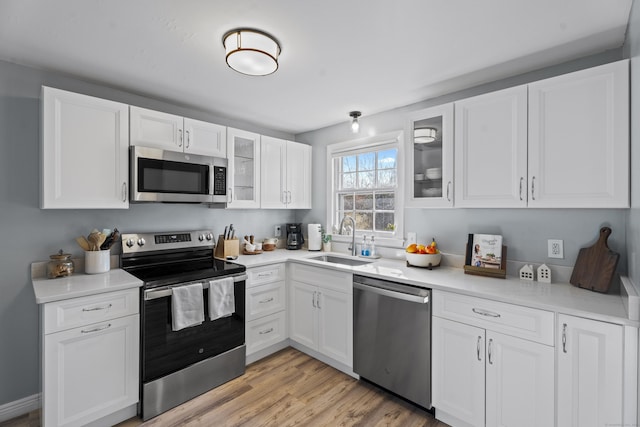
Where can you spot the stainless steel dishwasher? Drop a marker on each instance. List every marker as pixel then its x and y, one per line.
pixel 392 337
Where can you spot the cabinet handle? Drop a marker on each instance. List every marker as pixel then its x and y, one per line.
pixel 266 331
pixel 490 348
pixel 267 274
pixel 230 195
pixel 264 301
pixel 521 179
pixel 448 191
pixel 179 137
pixel 485 312
pixel 318 302
pixel 98 329
pixel 533 186
pixel 124 191
pixel 289 197
pixel 478 347
pixel 188 138
pixel 104 307
pixel 564 337
pixel 284 197
pixel 313 300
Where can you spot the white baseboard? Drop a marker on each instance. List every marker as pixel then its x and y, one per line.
pixel 19 407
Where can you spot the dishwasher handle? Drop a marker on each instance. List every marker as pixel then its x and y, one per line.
pixel 421 299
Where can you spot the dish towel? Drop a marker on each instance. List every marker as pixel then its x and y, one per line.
pixel 222 301
pixel 187 306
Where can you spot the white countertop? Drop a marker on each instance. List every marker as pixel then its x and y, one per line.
pixel 558 297
pixel 78 285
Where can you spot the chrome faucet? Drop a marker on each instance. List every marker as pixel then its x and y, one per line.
pixel 352 248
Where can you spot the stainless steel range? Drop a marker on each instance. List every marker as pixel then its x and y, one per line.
pixel 177 365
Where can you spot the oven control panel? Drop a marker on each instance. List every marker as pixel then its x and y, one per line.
pixel 146 242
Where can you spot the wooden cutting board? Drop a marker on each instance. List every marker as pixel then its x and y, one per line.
pixel 595 265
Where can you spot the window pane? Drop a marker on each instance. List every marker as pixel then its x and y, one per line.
pixel 385 201
pixel 349 180
pixel 364 221
pixel 385 221
pixel 365 179
pixel 349 164
pixel 366 161
pixel 364 202
pixel 345 202
pixel 386 178
pixel 387 159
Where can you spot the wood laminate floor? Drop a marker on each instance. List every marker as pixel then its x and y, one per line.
pixel 288 388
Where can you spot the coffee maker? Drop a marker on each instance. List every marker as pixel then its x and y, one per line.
pixel 294 236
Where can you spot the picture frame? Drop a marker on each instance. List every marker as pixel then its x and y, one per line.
pixel 486 255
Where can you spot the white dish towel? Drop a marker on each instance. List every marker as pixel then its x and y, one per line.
pixel 222 301
pixel 187 306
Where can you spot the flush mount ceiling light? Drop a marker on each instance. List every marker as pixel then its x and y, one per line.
pixel 355 125
pixel 424 135
pixel 251 52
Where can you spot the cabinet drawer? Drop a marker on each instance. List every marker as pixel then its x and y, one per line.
pixel 75 312
pixel 325 278
pixel 265 274
pixel 266 331
pixel 265 299
pixel 515 320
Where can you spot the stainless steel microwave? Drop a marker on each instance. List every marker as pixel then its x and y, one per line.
pixel 158 175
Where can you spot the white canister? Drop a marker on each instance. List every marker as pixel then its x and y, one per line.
pixel 97 262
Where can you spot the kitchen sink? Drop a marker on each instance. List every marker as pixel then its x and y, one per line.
pixel 340 260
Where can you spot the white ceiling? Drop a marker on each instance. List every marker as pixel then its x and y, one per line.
pixel 337 55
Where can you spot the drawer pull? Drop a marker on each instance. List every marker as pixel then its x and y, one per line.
pixel 490 347
pixel 104 307
pixel 264 301
pixel 266 331
pixel 564 337
pixel 269 274
pixel 478 347
pixel 102 328
pixel 485 312
pixel 313 300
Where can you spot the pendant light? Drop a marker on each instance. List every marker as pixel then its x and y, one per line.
pixel 355 125
pixel 424 135
pixel 251 52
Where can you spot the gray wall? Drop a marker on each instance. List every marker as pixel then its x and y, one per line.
pixel 525 231
pixel 30 234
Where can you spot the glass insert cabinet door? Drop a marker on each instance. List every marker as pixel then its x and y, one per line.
pixel 430 158
pixel 243 149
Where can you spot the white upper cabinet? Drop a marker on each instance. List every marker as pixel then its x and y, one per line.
pixel 430 158
pixel 83 152
pixel 562 142
pixel 156 129
pixel 579 139
pixel 243 174
pixel 285 174
pixel 491 149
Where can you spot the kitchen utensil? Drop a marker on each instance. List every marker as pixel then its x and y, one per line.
pixel 94 238
pixel 83 243
pixel 595 265
pixel 110 240
pixel 60 265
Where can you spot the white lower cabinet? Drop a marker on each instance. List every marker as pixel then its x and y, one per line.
pixel 90 371
pixel 482 377
pixel 321 311
pixel 590 373
pixel 266 303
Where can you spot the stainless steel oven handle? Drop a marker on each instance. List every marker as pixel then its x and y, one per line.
pixel 166 291
pixel 392 294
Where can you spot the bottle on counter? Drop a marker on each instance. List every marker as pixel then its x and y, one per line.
pixel 364 251
pixel 372 247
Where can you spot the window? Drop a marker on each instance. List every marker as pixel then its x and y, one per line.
pixel 366 185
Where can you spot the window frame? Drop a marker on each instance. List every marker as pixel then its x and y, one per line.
pixel 364 145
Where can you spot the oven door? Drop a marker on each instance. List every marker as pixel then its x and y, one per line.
pixel 167 176
pixel 165 351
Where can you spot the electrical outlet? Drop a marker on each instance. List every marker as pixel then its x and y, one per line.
pixel 412 238
pixel 555 248
pixel 277 231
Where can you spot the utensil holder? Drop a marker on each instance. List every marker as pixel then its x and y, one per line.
pixel 227 248
pixel 96 262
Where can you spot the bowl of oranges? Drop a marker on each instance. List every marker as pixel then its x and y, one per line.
pixel 423 255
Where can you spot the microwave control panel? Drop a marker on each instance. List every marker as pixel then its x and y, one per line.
pixel 219 181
